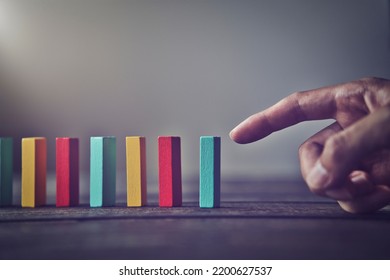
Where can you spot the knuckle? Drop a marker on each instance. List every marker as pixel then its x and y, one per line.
pixel 310 147
pixel 370 80
pixel 296 94
pixel 298 99
pixel 335 147
pixel 302 148
pixel 295 97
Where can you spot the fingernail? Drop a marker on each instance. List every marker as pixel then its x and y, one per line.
pixel 359 179
pixel 318 177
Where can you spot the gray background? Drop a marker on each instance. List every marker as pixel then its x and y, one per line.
pixel 179 67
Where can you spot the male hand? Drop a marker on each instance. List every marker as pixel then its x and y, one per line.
pixel 348 161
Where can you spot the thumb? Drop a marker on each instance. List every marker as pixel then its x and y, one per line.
pixel 343 151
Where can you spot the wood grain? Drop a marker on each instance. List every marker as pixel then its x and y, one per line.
pixel 136 171
pixel 170 188
pixel 256 220
pixel 67 171
pixel 34 158
pixel 102 171
pixel 210 172
pixel 236 230
pixel 6 171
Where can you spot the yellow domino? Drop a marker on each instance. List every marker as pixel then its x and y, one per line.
pixel 33 171
pixel 136 171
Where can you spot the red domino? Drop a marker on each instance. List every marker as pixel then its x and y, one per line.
pixel 169 167
pixel 67 169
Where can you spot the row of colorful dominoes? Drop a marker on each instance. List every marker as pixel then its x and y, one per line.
pixel 103 171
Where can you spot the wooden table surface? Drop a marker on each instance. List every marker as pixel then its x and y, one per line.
pixel 257 220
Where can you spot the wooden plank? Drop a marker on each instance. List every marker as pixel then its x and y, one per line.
pixel 67 171
pixel 210 172
pixel 136 171
pixel 34 158
pixel 6 171
pixel 170 189
pixel 111 235
pixel 103 171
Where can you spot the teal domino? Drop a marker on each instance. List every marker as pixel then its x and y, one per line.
pixel 6 171
pixel 102 171
pixel 210 172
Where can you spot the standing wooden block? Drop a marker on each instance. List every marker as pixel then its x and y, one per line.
pixel 169 167
pixel 103 171
pixel 210 172
pixel 6 171
pixel 33 171
pixel 136 171
pixel 67 170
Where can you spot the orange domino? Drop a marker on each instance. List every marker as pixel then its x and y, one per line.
pixel 67 171
pixel 33 171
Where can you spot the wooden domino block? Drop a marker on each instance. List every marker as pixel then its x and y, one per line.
pixel 33 171
pixel 169 167
pixel 67 171
pixel 6 171
pixel 136 171
pixel 103 171
pixel 210 172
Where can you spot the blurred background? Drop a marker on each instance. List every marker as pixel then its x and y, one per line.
pixel 86 68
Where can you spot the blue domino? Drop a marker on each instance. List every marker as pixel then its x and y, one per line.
pixel 210 172
pixel 6 171
pixel 103 171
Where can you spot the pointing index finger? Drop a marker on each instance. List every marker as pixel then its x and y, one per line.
pixel 298 107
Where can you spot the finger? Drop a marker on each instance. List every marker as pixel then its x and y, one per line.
pixel 369 203
pixel 309 153
pixel 358 182
pixel 311 149
pixel 362 183
pixel 301 106
pixel 344 150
